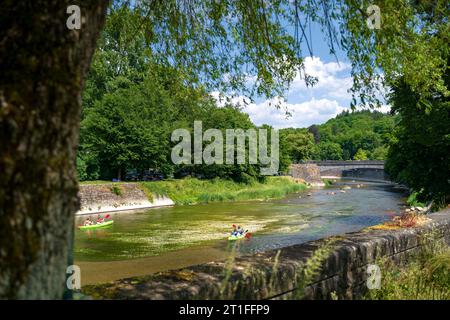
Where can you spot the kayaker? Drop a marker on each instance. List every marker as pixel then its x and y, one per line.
pixel 100 219
pixel 234 232
pixel 88 222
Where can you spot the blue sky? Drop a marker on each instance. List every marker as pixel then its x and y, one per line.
pixel 315 105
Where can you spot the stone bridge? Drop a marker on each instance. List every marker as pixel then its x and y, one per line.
pixel 363 169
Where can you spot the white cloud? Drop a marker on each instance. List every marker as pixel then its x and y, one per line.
pixel 303 114
pixel 334 79
pixel 307 105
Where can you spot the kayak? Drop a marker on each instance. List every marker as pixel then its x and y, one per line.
pixel 97 225
pixel 238 237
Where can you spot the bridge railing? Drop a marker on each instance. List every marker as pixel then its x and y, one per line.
pixel 345 163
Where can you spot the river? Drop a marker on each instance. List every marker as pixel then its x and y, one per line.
pixel 149 241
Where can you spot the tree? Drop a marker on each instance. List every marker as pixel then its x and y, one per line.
pixel 360 155
pixel 296 144
pixel 327 150
pixel 130 128
pixel 314 130
pixel 341 137
pixel 40 93
pixel 419 155
pixel 379 153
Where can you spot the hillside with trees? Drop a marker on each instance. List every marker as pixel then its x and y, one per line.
pixel 358 135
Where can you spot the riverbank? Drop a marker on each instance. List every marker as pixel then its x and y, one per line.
pixel 194 191
pixel 102 196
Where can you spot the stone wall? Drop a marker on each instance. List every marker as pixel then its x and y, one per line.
pixel 274 274
pixel 307 172
pixel 96 198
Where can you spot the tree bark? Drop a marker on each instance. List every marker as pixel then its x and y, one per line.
pixel 43 65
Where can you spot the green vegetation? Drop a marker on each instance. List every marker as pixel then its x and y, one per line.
pixel 426 277
pixel 419 155
pixel 353 135
pixel 358 135
pixel 360 155
pixel 413 55
pixel 132 105
pixel 192 191
pixel 412 200
pixel 116 189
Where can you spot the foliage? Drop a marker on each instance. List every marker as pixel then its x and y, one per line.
pixel 366 130
pixel 426 277
pixel 116 189
pixel 176 51
pixel 327 150
pixel 132 104
pixel 192 191
pixel 419 155
pixel 312 267
pixel 340 138
pixel 360 155
pixel 296 145
pixel 412 200
pixel 407 48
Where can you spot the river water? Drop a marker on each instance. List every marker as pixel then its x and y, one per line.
pixel 148 241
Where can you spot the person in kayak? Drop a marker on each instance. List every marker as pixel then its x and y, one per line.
pixel 88 222
pixel 100 219
pixel 235 230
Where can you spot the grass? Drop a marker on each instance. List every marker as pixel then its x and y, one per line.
pixel 192 191
pixel 425 277
pixel 116 189
pixel 94 182
pixel 413 202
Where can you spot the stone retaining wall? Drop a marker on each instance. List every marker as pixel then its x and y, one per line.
pixel 96 198
pixel 274 274
pixel 307 172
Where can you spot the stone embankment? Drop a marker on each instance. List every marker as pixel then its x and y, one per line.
pixel 309 173
pixel 109 197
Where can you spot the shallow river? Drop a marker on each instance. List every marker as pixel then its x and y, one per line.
pixel 155 240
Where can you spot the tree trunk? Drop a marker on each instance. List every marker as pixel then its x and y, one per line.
pixel 43 65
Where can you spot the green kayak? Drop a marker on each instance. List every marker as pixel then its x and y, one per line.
pixel 97 225
pixel 233 238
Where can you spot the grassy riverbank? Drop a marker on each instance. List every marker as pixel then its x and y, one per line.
pixel 192 191
pixel 425 277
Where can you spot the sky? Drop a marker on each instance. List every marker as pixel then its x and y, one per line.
pixel 310 105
